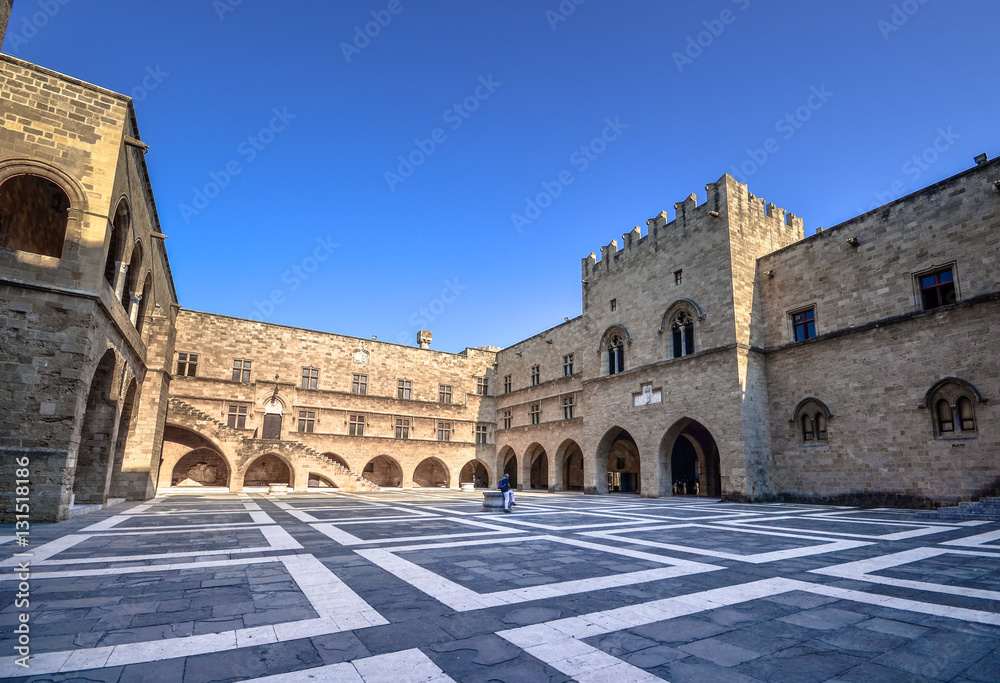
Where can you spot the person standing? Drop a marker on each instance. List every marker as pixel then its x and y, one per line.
pixel 508 495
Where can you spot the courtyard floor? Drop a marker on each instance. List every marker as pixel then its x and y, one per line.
pixel 423 586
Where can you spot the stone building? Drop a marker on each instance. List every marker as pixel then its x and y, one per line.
pixel 719 353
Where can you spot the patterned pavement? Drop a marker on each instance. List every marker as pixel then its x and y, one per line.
pixel 423 586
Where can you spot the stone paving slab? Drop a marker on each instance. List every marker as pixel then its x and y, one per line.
pixel 233 587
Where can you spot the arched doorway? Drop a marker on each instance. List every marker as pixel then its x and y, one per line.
pixel 317 481
pixel 618 457
pixel 689 461
pixel 475 473
pixel 571 456
pixel 119 487
pixel 266 470
pixel 271 428
pixel 92 474
pixel 200 467
pixel 337 459
pixel 538 476
pixel 508 465
pixel 431 473
pixel 384 471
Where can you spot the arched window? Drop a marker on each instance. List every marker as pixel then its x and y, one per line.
pixel 808 433
pixel 33 215
pixel 683 334
pixel 119 231
pixel 616 355
pixel 953 406
pixel 147 296
pixel 131 274
pixel 820 421
pixel 810 417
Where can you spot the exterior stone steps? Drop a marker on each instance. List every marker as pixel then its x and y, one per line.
pixel 987 509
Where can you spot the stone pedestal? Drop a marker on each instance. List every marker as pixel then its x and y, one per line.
pixel 277 489
pixel 492 501
pixel 468 487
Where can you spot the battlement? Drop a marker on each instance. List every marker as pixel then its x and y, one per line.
pixel 729 204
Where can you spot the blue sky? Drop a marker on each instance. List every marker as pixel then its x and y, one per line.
pixel 385 151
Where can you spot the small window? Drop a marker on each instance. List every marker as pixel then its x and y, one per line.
pixel 403 388
pixel 614 305
pixel 33 215
pixel 966 415
pixel 359 384
pixel 811 419
pixel 946 422
pixel 568 365
pixel 568 404
pixel 444 393
pixel 536 374
pixel 682 335
pixel 535 413
pixel 481 434
pixel 237 418
pixel 241 371
pixel 937 289
pixel 444 431
pixel 508 383
pixel 307 421
pixel 616 355
pixel 402 428
pixel 310 378
pixel 678 277
pixel 808 430
pixel 804 324
pixel 187 364
pixel 482 386
pixel 820 422
pixel 952 405
pixel 357 425
pixel 508 418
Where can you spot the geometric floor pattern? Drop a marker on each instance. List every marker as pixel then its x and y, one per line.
pixel 423 585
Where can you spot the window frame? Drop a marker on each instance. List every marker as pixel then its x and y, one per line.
pixel 482 434
pixel 310 377
pixel 507 418
pixel 402 428
pixel 793 326
pixel 237 418
pixel 568 365
pixel 937 287
pixel 444 394
pixel 359 384
pixel 568 404
pixel 306 422
pixel 186 367
pixel 483 386
pixel 242 372
pixel 444 431
pixel 356 423
pixel 535 413
pixel 536 375
pixel 508 383
pixel 404 389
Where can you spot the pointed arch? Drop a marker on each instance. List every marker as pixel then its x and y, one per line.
pixel 956 380
pixel 431 473
pixel 270 468
pixel 678 305
pixel 810 399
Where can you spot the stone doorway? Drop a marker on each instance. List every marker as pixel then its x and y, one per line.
pixel 689 461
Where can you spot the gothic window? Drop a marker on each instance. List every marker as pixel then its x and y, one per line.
pixel 952 403
pixel 616 355
pixel 683 334
pixel 33 215
pixel 810 418
pixel 119 231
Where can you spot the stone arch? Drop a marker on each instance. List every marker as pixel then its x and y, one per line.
pixel 569 466
pixel 952 402
pixel 125 426
pixel 537 462
pixel 200 467
pixel 383 470
pixel 810 420
pixel 318 481
pixel 92 469
pixel 119 223
pixel 618 465
pixel 689 455
pixel 475 472
pixel 34 215
pixel 70 187
pixel 956 380
pixel 431 473
pixel 679 305
pixel 337 459
pixel 131 275
pixel 507 464
pixel 144 299
pixel 270 468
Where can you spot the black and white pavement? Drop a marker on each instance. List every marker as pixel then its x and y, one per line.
pixel 423 585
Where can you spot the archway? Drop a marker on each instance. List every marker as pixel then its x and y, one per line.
pixel 689 461
pixel 431 473
pixel 317 481
pixel 200 467
pixel 507 464
pixel 266 470
pixel 475 473
pixel 618 457
pixel 118 487
pixel 337 459
pixel 571 456
pixel 384 471
pixel 92 474
pixel 538 476
pixel 35 212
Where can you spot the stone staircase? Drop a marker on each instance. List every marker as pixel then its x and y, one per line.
pixel 291 448
pixel 987 509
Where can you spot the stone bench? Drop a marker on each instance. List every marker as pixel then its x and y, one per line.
pixel 492 501
pixel 279 489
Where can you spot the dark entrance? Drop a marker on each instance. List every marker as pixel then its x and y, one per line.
pixel 623 465
pixel 690 452
pixel 510 469
pixel 272 427
pixel 684 467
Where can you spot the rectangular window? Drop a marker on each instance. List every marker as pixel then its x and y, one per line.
pixel 187 364
pixel 568 403
pixel 241 371
pixel 804 324
pixel 535 413
pixel 536 374
pixel 359 384
pixel 508 382
pixel 237 417
pixel 402 428
pixel 568 365
pixel 937 289
pixel 310 378
pixel 403 388
pixel 508 418
pixel 444 393
pixel 357 427
pixel 614 305
pixel 481 432
pixel 678 276
pixel 307 421
pixel 483 386
pixel 444 431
